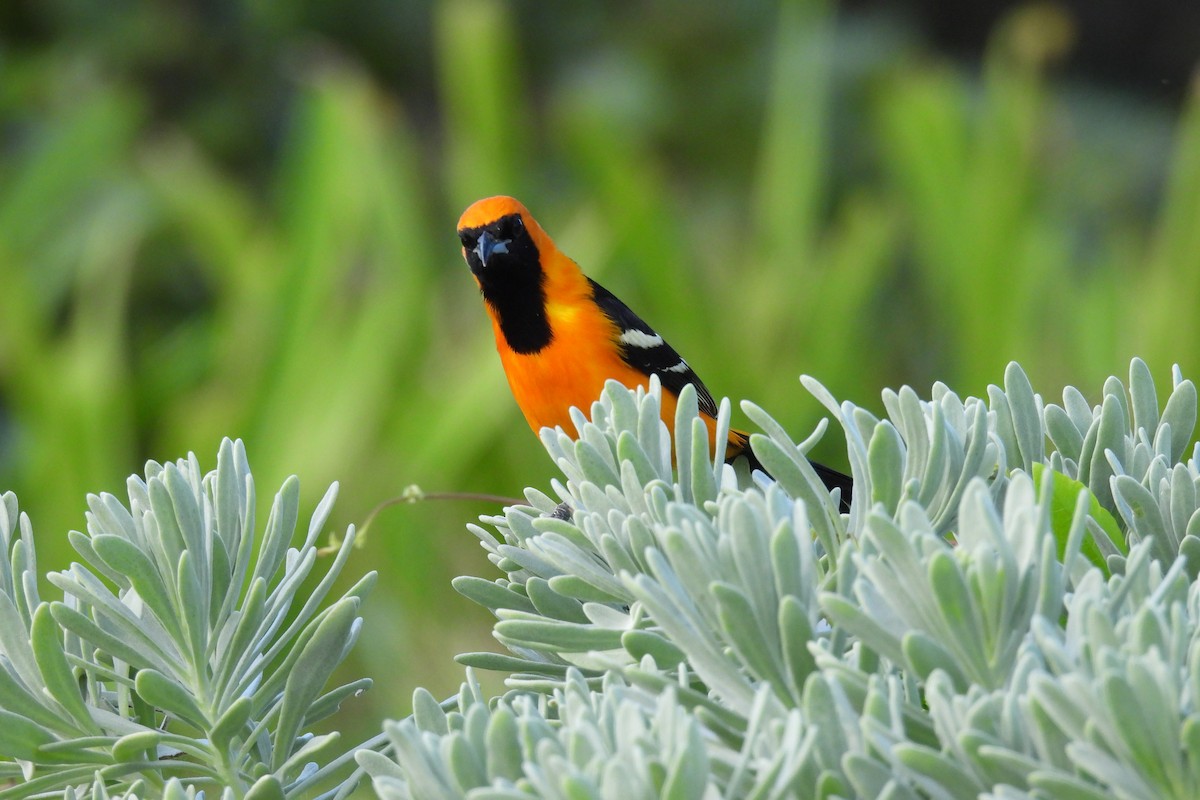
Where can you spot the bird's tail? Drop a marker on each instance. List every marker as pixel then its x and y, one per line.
pixel 739 447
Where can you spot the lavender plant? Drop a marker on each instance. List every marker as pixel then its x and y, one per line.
pixel 182 659
pixel 1009 610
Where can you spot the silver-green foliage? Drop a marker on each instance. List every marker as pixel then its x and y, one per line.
pixel 978 625
pixel 183 654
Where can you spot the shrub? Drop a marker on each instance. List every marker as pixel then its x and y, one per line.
pixel 992 618
pixel 183 651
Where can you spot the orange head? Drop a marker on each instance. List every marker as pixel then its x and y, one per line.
pixel 515 263
pixel 501 230
pixel 484 212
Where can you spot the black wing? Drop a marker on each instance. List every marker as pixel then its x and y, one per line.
pixel 649 353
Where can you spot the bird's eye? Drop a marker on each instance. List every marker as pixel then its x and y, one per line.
pixel 518 224
pixel 468 241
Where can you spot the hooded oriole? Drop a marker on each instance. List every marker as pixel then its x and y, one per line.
pixel 561 335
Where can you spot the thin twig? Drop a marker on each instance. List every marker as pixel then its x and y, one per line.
pixel 414 494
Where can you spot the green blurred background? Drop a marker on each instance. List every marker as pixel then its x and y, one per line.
pixel 237 219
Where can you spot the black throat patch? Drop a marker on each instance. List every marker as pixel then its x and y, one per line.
pixel 521 308
pixel 512 283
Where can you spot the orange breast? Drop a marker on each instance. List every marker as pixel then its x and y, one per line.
pixel 572 370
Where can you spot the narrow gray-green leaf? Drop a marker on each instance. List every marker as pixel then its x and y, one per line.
pixel 267 787
pixel 564 637
pixel 1180 414
pixel 553 605
pixel 490 594
pixel 503 751
pixel 14 642
pixel 329 703
pixel 1142 397
pixel 665 653
pixel 796 632
pixel 137 649
pixel 186 511
pixel 194 602
pixel 46 638
pixel 739 629
pixel 688 774
pixel 925 654
pixel 162 692
pixel 1026 416
pixel 281 526
pixel 20 738
pixel 428 714
pixel 136 746
pixel 501 662
pixel 123 556
pixel 231 723
pixel 885 459
pixel 311 670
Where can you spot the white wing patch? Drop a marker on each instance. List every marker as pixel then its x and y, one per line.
pixel 636 338
pixel 682 366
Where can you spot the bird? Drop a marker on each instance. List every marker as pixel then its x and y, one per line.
pixel 561 335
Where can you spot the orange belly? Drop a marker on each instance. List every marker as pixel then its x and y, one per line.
pixel 547 384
